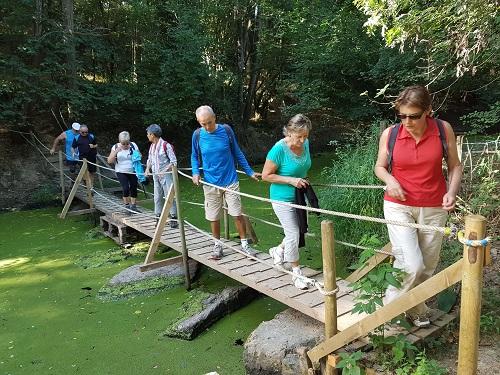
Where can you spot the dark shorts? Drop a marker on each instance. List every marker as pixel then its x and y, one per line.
pixel 71 164
pixel 91 159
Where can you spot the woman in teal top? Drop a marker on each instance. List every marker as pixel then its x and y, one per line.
pixel 286 168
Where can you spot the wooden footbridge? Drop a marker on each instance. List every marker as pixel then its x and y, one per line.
pixel 332 303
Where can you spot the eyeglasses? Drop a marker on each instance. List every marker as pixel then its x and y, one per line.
pixel 414 116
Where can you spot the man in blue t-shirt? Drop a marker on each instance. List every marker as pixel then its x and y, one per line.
pixel 68 136
pixel 216 147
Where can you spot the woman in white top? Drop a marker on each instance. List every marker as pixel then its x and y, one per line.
pixel 121 157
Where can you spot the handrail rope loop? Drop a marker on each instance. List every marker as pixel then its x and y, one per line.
pixel 473 243
pixel 321 289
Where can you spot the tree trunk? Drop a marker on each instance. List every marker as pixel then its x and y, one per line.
pixel 247 63
pixel 253 69
pixel 69 41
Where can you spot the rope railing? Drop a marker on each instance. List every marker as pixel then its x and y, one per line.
pixel 444 230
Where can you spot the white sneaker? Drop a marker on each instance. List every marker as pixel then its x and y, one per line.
pixel 217 253
pixel 421 321
pixel 247 249
pixel 298 281
pixel 277 254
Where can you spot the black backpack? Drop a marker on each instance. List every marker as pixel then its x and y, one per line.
pixel 393 134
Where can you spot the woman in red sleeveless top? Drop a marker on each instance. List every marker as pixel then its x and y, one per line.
pixel 416 191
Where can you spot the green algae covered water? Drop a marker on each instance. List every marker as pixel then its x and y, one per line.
pixel 52 323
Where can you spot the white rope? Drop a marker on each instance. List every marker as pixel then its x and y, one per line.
pixel 383 187
pixel 328 212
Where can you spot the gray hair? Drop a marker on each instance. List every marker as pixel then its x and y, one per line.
pixel 124 137
pixel 83 126
pixel 297 123
pixel 204 109
pixel 154 129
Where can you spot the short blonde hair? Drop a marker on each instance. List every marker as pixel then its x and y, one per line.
pixel 124 137
pixel 297 123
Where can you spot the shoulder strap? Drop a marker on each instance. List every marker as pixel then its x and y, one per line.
pixel 165 145
pixel 442 137
pixel 197 144
pixel 227 128
pixel 393 134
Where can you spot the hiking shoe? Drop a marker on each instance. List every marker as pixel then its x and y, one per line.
pixel 127 209
pixel 173 222
pixel 248 250
pixel 134 208
pixel 298 281
pixel 420 321
pixel 277 255
pixel 217 253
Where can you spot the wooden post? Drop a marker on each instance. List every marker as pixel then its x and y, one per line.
pixel 330 281
pixel 460 144
pixel 472 286
pixel 81 174
pixel 98 172
pixel 61 177
pixel 160 226
pixel 226 218
pixel 185 257
pixel 249 230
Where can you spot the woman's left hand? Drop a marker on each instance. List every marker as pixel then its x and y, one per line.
pixel 449 201
pixel 299 182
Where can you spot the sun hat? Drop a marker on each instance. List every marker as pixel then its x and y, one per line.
pixel 75 126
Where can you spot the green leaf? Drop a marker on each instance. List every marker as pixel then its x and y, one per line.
pixel 389 277
pixel 446 300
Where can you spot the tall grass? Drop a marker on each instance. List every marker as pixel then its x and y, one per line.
pixel 353 164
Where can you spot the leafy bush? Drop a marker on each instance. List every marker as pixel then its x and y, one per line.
pixel 354 164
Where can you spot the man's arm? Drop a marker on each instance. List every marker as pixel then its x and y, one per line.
pixel 171 155
pixel 93 143
pixel 195 163
pixel 58 139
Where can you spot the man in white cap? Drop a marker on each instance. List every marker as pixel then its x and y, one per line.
pixel 68 137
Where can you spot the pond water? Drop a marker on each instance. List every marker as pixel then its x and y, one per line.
pixel 52 323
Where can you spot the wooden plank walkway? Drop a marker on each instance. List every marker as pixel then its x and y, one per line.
pixel 261 277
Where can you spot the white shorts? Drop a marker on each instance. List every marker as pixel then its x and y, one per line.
pixel 213 201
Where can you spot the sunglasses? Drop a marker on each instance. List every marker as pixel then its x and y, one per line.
pixel 84 132
pixel 414 116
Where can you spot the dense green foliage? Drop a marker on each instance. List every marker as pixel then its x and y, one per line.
pixel 112 63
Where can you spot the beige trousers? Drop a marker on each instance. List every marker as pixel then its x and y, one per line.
pixel 416 251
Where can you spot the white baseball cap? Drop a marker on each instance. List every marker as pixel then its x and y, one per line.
pixel 76 126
